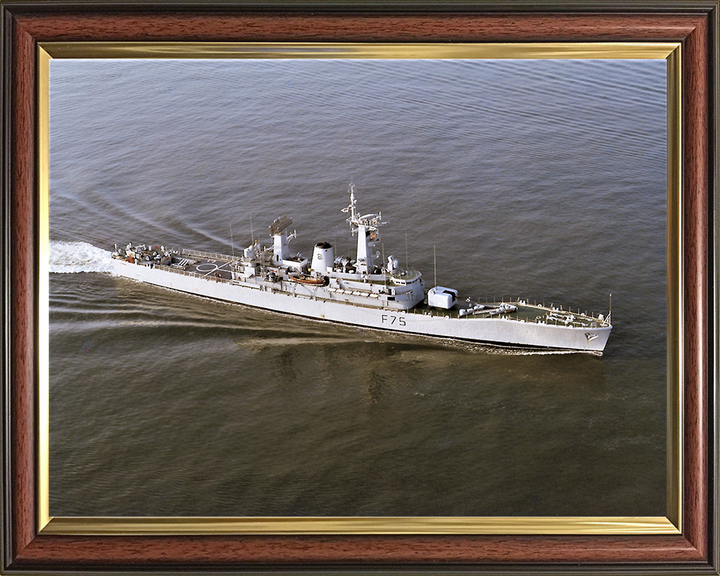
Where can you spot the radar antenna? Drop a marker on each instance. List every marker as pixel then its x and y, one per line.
pixel 280 225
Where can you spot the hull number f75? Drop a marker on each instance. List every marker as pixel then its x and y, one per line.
pixel 391 319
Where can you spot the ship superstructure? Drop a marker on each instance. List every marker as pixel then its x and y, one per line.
pixel 363 291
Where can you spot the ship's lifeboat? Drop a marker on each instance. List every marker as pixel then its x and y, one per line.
pixel 305 279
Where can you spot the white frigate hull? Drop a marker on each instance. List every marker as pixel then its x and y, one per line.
pixel 320 304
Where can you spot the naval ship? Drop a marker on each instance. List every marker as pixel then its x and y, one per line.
pixel 360 291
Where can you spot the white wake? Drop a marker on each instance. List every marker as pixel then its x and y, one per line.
pixel 74 257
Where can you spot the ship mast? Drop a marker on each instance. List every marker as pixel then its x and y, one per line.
pixel 367 229
pixel 278 230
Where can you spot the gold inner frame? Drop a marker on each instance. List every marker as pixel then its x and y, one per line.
pixel 670 524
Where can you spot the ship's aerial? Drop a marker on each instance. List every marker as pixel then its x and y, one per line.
pixel 366 290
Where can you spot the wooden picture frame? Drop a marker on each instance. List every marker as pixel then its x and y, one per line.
pixel 27 549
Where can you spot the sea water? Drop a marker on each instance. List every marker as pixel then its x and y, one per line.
pixel 543 180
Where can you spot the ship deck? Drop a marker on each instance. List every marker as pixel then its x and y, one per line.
pixel 211 268
pixel 525 313
pixel 217 267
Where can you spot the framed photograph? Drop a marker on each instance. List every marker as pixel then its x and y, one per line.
pixel 334 195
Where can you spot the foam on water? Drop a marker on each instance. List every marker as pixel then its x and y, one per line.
pixel 73 257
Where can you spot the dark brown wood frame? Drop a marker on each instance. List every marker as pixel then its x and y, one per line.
pixel 694 24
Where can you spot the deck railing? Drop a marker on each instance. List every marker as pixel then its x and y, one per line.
pixel 209 255
pixel 194 274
